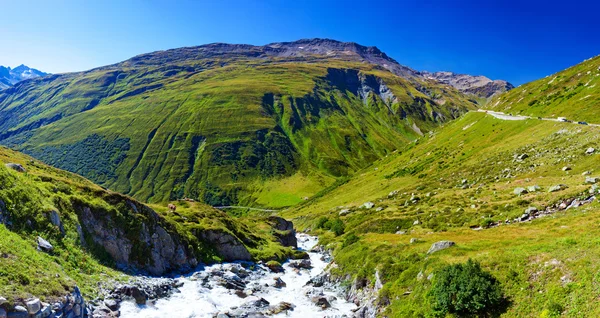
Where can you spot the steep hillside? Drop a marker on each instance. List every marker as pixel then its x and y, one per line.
pixel 479 86
pixel 97 235
pixel 516 196
pixel 573 93
pixel 226 123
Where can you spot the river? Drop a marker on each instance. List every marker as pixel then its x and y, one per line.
pixel 209 292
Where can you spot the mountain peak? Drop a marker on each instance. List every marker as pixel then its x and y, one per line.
pixel 10 77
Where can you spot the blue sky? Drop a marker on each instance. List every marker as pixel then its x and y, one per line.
pixel 514 40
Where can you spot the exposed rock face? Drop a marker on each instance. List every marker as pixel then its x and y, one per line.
pixel 228 246
pixel 157 253
pixel 284 231
pixel 16 167
pixel 479 86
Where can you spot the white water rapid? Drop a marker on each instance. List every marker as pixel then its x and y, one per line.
pixel 205 295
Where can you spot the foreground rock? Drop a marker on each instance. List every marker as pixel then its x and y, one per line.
pixel 71 305
pixel 16 167
pixel 441 245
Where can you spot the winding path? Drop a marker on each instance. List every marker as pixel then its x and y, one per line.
pixel 504 116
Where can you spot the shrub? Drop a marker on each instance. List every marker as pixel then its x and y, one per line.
pixel 321 222
pixel 350 239
pixel 337 227
pixel 465 290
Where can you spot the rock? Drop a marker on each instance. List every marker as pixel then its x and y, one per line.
pixel 279 283
pixel 228 246
pixel 55 220
pixel 3 301
pixel 441 245
pixel 318 281
pixel 379 209
pixel 566 168
pixel 285 232
pixel 420 275
pixel 344 212
pixel 393 193
pixel 321 301
pixel 16 167
pixel 275 267
pixel 556 188
pixel 368 205
pixel 530 210
pixel 523 156
pixel 44 245
pixel 281 307
pixel 414 198
pixel 586 173
pixel 594 189
pixel 520 191
pixel 533 188
pixel 19 312
pixel 77 310
pixel 2 313
pixel 305 264
pixel 416 222
pixel 591 180
pixel 33 306
pixel 46 310
pixel 590 151
pixel 400 232
pixel 111 304
pixel 414 240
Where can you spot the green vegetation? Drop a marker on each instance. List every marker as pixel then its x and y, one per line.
pixel 460 178
pixel 573 93
pixel 31 201
pixel 222 130
pixel 465 290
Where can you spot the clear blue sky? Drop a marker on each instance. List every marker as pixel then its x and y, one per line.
pixel 514 40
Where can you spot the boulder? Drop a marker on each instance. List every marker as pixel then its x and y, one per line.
pixel 275 267
pixel 566 168
pixel 16 167
pixel 591 180
pixel 530 210
pixel 111 304
pixel 285 232
pixel 368 205
pixel 586 173
pixel 414 240
pixel 55 220
pixel 3 301
pixel 590 151
pixel 279 283
pixel 33 306
pixel 533 188
pixel 441 245
pixel 556 188
pixel 44 245
pixel 228 246
pixel 344 212
pixel 594 189
pixel 523 156
pixel 321 301
pixel 520 191
pixel 281 307
pixel 301 264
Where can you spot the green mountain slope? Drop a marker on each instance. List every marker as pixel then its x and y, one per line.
pixel 457 185
pixel 226 123
pixel 573 93
pixel 98 235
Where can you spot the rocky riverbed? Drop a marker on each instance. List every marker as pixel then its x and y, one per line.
pixel 251 290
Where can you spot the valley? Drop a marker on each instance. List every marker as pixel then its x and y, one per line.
pixel 303 179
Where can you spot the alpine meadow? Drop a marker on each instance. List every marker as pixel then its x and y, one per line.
pixel 312 178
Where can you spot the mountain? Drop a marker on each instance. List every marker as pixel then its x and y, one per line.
pixel 227 124
pixel 479 86
pixel 9 77
pixel 573 93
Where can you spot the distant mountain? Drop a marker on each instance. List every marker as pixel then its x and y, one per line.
pixel 228 123
pixel 479 86
pixel 10 77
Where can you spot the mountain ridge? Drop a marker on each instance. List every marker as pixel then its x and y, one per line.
pixel 10 77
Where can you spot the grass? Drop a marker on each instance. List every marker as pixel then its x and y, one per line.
pixel 459 175
pixel 572 93
pixel 237 134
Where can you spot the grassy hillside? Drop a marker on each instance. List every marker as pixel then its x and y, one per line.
pixel 456 184
pixel 219 129
pixel 573 93
pixel 32 201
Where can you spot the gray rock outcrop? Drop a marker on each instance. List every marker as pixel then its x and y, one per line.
pixel 441 245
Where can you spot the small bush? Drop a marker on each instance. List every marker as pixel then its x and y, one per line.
pixel 337 227
pixel 466 290
pixel 350 239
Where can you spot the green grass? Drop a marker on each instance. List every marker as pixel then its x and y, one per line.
pixel 477 148
pixel 573 93
pixel 222 135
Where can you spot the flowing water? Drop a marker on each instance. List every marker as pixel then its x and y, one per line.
pixel 202 296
